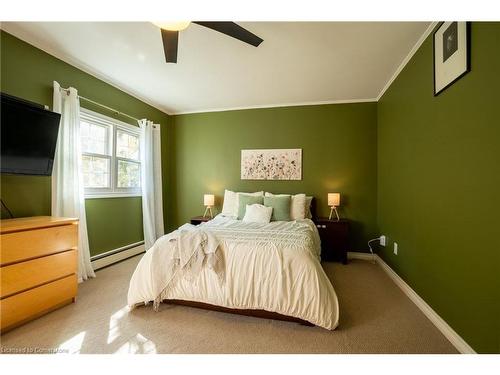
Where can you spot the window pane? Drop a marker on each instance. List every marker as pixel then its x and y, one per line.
pixel 127 145
pixel 129 174
pixel 95 138
pixel 95 172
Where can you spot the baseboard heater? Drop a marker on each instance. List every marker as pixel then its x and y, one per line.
pixel 116 255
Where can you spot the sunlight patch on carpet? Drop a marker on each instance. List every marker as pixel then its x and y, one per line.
pixel 74 344
pixel 138 345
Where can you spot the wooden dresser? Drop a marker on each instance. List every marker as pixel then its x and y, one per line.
pixel 38 267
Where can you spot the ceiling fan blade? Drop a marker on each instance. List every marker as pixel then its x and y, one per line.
pixel 234 30
pixel 170 41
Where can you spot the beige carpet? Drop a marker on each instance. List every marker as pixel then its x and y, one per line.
pixel 375 317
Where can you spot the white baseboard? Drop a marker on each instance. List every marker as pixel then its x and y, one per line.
pixel 455 339
pixel 117 255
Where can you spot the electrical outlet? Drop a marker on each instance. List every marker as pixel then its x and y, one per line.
pixel 395 248
pixel 382 240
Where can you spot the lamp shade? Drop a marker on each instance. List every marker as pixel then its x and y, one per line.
pixel 334 199
pixel 208 200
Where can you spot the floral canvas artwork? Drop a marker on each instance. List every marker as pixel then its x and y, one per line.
pixel 276 164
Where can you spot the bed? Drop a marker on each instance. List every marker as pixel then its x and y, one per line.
pixel 270 270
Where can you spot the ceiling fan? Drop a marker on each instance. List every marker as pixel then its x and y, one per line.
pixel 170 34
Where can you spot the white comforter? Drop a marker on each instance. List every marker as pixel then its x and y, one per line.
pixel 273 267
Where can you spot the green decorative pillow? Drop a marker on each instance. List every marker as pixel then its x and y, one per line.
pixel 243 200
pixel 280 205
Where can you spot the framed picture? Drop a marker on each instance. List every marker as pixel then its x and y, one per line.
pixel 451 54
pixel 274 164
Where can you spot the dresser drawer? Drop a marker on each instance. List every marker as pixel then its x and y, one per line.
pixel 30 244
pixel 25 275
pixel 37 301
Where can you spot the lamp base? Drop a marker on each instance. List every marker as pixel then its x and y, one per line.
pixel 208 211
pixel 333 208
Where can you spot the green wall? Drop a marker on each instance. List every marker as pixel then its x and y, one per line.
pixel 113 222
pixel 339 148
pixel 439 187
pixel 28 72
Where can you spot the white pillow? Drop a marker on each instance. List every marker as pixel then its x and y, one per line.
pixel 229 206
pixel 258 213
pixel 231 202
pixel 308 207
pixel 298 207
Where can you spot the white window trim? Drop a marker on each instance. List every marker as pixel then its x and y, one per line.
pixel 113 191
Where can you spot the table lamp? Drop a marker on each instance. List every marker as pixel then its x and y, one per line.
pixel 208 201
pixel 333 202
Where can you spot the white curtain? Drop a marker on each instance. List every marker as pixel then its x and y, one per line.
pixel 151 184
pixel 67 182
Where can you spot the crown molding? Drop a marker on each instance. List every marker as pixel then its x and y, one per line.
pixel 405 61
pixel 280 105
pixel 89 70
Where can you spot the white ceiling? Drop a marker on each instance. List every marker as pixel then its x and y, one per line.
pixel 298 62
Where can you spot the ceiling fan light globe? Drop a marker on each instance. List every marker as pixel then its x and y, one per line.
pixel 172 26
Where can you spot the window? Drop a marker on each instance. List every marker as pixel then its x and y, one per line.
pixel 111 163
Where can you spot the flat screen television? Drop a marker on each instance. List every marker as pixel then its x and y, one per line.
pixel 29 136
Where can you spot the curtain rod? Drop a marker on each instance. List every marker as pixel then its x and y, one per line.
pixel 108 108
pixel 103 106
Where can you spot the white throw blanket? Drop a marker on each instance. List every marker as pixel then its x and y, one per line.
pixel 188 250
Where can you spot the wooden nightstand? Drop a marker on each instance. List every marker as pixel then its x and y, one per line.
pixel 334 239
pixel 199 219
